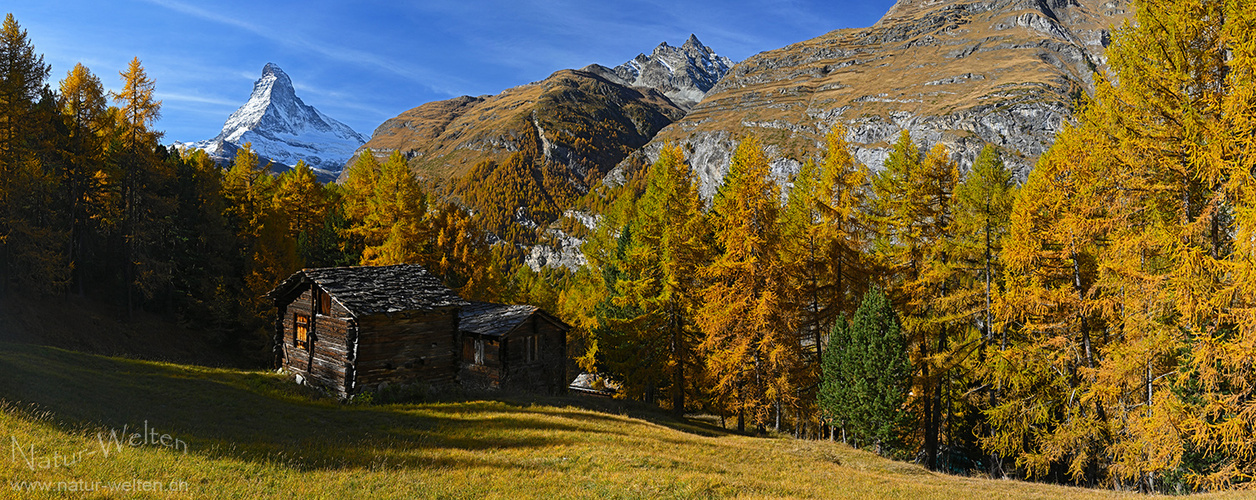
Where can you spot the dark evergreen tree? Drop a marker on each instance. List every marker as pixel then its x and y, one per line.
pixel 867 375
pixel 22 85
pixel 834 394
pixel 201 242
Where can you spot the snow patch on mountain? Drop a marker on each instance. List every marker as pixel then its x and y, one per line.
pixel 283 129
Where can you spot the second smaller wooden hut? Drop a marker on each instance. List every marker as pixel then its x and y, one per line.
pixel 512 347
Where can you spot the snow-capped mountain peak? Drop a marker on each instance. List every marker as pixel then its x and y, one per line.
pixel 283 129
pixel 683 73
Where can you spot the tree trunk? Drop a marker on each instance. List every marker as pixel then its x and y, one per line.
pixel 936 418
pixel 4 268
pixel 778 416
pixel 1085 331
pixel 678 371
pixel 931 434
pixel 741 408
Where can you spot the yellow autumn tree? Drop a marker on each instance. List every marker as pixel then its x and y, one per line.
pixel 1129 268
pixel 1041 419
pixel 825 234
pixel 82 105
pixel 975 277
pixel 649 333
pixel 32 245
pixel 913 212
pixel 145 181
pixel 268 253
pixel 302 197
pixel 461 254
pixel 387 208
pixel 312 211
pixel 751 348
pixel 587 302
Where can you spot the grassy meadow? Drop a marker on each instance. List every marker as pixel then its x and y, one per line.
pixel 227 433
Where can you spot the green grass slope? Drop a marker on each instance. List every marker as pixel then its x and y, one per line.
pixel 225 433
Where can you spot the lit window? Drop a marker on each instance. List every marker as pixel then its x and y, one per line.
pixel 302 327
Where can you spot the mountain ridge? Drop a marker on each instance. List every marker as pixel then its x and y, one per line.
pixel 449 137
pixel 961 73
pixel 521 157
pixel 684 74
pixel 446 138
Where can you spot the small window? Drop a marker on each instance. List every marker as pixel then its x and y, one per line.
pixel 302 327
pixel 324 303
pixel 479 351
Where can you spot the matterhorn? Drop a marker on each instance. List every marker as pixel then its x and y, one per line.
pixel 284 130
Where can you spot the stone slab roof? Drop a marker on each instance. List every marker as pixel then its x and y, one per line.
pixel 493 320
pixel 367 290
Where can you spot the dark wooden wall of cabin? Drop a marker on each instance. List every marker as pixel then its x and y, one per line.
pixel 326 360
pixel 548 374
pixel 347 355
pixel 407 347
pixel 480 376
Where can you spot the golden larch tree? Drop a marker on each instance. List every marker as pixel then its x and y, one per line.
pixel 751 348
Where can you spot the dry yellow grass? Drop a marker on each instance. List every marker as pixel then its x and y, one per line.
pixel 256 435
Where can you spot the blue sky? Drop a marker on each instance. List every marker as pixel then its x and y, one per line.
pixel 366 61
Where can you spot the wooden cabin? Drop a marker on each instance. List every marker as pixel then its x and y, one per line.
pixel 355 329
pixel 349 329
pixel 514 347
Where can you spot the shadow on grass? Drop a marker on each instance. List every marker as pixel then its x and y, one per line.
pixel 608 410
pixel 259 416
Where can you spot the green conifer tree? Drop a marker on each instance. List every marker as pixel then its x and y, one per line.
pixel 867 377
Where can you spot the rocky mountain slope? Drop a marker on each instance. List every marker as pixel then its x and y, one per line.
pixel 963 73
pixel 684 74
pixel 577 119
pixel 283 129
pixel 521 157
pixel 587 119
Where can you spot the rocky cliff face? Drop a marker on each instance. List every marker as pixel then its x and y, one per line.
pixel 963 73
pixel 284 129
pixel 684 74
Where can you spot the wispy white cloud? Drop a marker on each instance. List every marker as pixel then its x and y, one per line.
pixel 200 99
pixel 431 79
pixel 342 100
pixel 305 88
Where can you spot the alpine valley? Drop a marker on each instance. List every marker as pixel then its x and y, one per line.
pixel 959 73
pixel 523 157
